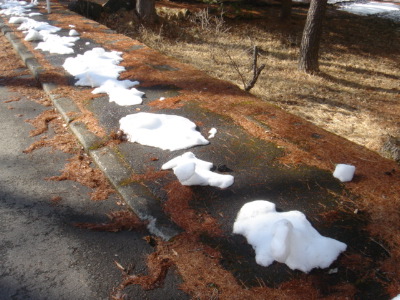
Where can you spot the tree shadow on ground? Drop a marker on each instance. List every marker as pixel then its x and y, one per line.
pixel 356 85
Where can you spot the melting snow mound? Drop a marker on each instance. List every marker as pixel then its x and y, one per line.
pixel 286 237
pixel 57 44
pixel 344 172
pixel 99 68
pixel 168 132
pixel 73 32
pixel 120 92
pixel 94 67
pixel 193 171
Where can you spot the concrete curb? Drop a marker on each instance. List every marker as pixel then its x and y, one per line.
pixel 138 198
pixel 27 57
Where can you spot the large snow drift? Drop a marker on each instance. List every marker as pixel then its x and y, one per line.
pixel 168 132
pixel 193 171
pixel 286 237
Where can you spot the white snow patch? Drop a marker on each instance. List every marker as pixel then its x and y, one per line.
pixel 369 8
pixel 119 92
pixel 94 67
pixel 168 132
pixel 34 14
pixel 38 31
pixel 33 35
pixel 15 8
pixel 344 172
pixel 54 43
pixel 212 133
pixel 29 23
pixel 193 171
pixel 73 32
pixel 338 1
pixel 43 31
pixel 99 68
pixel 17 20
pixel 286 237
pixel 397 297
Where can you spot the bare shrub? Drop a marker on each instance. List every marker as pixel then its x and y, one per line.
pixel 208 22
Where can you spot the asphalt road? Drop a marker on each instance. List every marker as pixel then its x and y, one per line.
pixel 42 255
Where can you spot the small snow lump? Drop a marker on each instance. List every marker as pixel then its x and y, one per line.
pixel 193 171
pixel 344 172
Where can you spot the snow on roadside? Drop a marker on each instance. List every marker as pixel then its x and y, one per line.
pixel 286 237
pixel 95 68
pixel 17 8
pixel 168 132
pixel 193 171
pixel 38 31
pixel 54 43
pixel 344 172
pixel 29 23
pixel 100 68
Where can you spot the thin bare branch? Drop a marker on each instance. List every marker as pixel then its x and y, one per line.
pixel 236 67
pixel 256 71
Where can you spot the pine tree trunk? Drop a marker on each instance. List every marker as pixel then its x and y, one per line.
pixel 309 48
pixel 286 9
pixel 146 11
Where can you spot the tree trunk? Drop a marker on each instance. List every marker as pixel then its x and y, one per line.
pixel 286 9
pixel 310 41
pixel 146 11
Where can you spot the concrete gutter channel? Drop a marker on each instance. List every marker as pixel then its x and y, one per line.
pixel 251 161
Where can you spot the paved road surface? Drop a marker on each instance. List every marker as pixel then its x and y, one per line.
pixel 42 255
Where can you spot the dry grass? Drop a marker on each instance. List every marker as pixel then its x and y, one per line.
pixel 355 95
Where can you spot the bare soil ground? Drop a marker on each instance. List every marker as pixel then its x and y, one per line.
pixel 356 94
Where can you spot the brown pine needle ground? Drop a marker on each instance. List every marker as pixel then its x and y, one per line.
pixel 118 221
pixel 41 122
pixel 80 169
